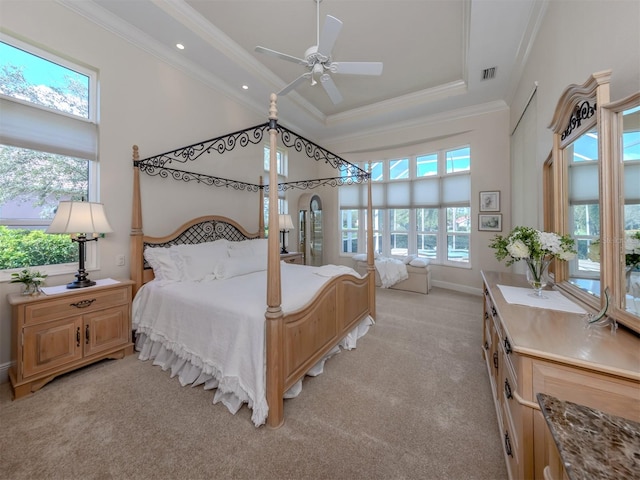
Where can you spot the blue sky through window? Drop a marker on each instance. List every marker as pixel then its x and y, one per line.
pixel 37 70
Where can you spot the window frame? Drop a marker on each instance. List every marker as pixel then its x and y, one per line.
pixel 92 250
pixel 442 233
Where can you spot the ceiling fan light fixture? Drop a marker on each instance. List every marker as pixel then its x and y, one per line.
pixel 318 60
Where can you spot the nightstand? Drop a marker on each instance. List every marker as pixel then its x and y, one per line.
pixel 54 334
pixel 292 257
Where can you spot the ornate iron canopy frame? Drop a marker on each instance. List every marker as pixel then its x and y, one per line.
pixel 161 165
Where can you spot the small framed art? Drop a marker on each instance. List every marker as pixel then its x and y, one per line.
pixel 490 201
pixel 490 223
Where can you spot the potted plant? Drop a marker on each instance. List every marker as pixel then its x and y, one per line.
pixel 32 280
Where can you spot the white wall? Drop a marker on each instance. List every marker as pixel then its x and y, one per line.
pixel 575 40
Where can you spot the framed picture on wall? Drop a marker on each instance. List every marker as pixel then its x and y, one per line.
pixel 490 201
pixel 490 223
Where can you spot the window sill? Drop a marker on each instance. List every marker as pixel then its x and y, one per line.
pixel 49 270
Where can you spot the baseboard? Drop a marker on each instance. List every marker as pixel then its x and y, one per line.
pixel 4 372
pixel 457 287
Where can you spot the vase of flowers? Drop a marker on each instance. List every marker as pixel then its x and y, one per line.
pixel 537 249
pixel 31 279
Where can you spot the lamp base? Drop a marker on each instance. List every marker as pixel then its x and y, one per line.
pixel 85 282
pixel 82 279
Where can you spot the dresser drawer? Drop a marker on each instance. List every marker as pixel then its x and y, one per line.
pixel 600 391
pixel 511 447
pixel 62 307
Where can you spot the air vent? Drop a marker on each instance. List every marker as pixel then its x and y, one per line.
pixel 489 73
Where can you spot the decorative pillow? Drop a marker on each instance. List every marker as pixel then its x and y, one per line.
pixel 407 260
pixel 256 246
pixel 164 266
pixel 419 262
pixel 198 261
pixel 235 266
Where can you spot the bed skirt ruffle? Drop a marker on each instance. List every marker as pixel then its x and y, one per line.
pixel 191 370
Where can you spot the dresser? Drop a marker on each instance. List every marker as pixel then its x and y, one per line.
pixel 54 334
pixel 536 350
pixel 292 257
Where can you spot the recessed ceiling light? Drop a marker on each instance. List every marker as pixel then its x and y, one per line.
pixel 179 46
pixel 245 87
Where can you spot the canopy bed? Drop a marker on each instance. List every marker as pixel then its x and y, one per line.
pixel 296 332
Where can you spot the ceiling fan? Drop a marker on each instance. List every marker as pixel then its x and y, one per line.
pixel 319 63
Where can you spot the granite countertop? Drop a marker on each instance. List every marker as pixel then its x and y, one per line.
pixel 592 444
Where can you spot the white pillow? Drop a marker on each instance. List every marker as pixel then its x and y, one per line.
pixel 165 268
pixel 256 246
pixel 234 266
pixel 360 257
pixel 407 260
pixel 199 260
pixel 419 262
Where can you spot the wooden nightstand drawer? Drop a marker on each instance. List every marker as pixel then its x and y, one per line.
pixel 61 307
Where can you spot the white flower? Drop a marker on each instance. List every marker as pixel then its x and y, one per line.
pixel 550 241
pixel 518 249
pixel 565 255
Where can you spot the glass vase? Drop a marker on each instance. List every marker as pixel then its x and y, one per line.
pixel 31 289
pixel 538 275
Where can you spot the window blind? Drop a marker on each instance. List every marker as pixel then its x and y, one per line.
pixel 36 128
pixel 428 192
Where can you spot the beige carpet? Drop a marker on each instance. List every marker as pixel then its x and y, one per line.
pixel 411 402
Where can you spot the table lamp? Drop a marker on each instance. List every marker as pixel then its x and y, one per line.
pixel 80 219
pixel 285 223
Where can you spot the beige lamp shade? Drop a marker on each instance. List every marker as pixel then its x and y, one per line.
pixel 80 217
pixel 285 222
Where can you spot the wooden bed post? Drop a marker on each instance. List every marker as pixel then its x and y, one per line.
pixel 261 209
pixel 274 315
pixel 371 269
pixel 136 267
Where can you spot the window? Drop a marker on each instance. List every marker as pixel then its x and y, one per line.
pixel 282 168
pixel 281 160
pixel 48 153
pixel 584 205
pixel 421 205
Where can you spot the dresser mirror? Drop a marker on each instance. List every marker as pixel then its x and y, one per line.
pixel 592 184
pixel 582 163
pixel 576 187
pixel 623 119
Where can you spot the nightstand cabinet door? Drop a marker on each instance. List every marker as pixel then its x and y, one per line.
pixel 49 345
pixel 105 329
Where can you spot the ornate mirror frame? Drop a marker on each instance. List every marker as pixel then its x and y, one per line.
pixel 579 110
pixel 612 120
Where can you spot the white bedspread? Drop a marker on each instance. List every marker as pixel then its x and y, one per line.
pixel 391 271
pixel 213 332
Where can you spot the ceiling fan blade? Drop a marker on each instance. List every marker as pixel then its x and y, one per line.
pixel 294 84
pixel 329 35
pixel 331 89
pixel 356 68
pixel 282 56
